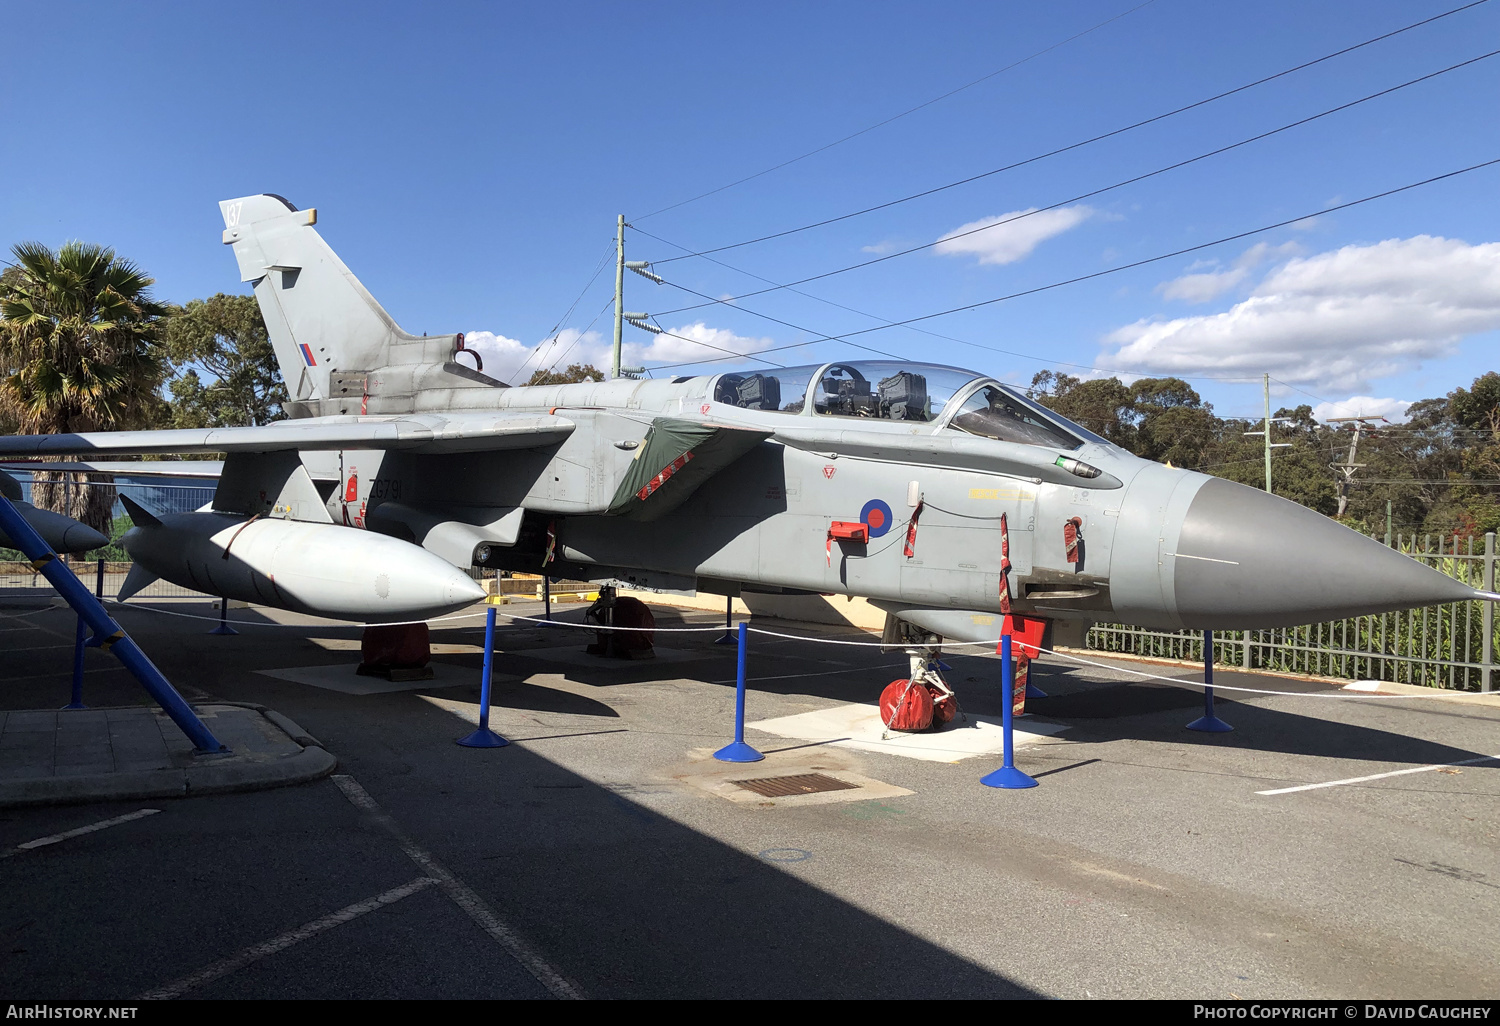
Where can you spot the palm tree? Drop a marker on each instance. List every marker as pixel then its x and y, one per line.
pixel 80 350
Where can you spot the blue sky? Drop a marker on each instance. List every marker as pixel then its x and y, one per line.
pixel 468 161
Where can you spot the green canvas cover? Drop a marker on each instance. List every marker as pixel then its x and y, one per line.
pixel 677 457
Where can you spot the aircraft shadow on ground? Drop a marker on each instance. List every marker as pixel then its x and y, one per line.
pixel 623 899
pixel 1102 712
pixel 642 905
pixel 513 694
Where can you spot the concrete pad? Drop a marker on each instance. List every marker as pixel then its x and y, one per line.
pixel 859 726
pixel 28 720
pixel 144 755
pixel 345 681
pixel 720 778
pixel 436 647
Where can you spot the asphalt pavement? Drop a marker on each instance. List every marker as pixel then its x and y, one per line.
pixel 603 853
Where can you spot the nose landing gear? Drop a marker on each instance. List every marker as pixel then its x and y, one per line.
pixel 922 700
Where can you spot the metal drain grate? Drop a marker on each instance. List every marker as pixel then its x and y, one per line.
pixel 786 787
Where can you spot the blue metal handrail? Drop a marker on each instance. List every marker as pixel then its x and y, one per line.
pixel 108 634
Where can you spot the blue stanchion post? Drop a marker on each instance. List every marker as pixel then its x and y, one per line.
pixel 108 634
pixel 1007 776
pixel 78 640
pixel 484 737
pixel 1208 722
pixel 223 627
pixel 737 750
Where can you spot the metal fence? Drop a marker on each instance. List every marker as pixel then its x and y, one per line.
pixel 105 582
pixel 1448 646
pixel 153 494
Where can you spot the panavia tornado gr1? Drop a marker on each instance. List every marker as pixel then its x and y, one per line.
pixel 947 498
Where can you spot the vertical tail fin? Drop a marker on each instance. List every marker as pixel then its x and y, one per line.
pixel 320 318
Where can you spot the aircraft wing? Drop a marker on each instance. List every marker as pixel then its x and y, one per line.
pixel 135 468
pixel 428 433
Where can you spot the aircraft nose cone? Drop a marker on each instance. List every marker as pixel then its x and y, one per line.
pixel 465 590
pixel 1247 560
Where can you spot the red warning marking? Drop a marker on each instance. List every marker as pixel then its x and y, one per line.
pixel 661 478
pixel 828 472
pixel 1004 565
pixel 1071 529
pixel 910 548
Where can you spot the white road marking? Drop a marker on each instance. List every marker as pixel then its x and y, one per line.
pixel 256 952
pixel 1381 776
pixel 462 896
pixel 102 824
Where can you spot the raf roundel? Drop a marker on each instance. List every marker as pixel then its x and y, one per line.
pixel 877 515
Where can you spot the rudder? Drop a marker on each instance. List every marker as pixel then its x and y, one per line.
pixel 321 320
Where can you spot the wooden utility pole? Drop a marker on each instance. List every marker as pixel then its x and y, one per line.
pixel 1265 432
pixel 1349 466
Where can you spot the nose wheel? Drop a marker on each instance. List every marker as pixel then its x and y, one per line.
pixel 922 700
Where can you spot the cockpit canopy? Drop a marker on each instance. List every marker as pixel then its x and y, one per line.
pixel 893 390
pixel 885 390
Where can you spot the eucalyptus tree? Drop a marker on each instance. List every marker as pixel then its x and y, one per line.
pixel 225 338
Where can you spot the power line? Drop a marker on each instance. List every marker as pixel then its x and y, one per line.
pixel 558 326
pixel 1180 252
pixel 576 338
pixel 845 337
pixel 1108 188
pixel 898 117
pixel 721 349
pixel 841 306
pixel 886 321
pixel 1071 146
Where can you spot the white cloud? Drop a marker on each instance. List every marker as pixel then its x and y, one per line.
pixel 1200 288
pixel 879 247
pixel 1338 319
pixel 1363 406
pixel 501 355
pixel 683 344
pixel 513 362
pixel 1206 285
pixel 1013 236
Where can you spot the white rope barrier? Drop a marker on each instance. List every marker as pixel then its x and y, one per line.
pixel 865 644
pixel 251 623
pixel 812 639
pixel 597 627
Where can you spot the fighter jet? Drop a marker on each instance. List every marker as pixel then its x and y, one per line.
pixel 944 496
